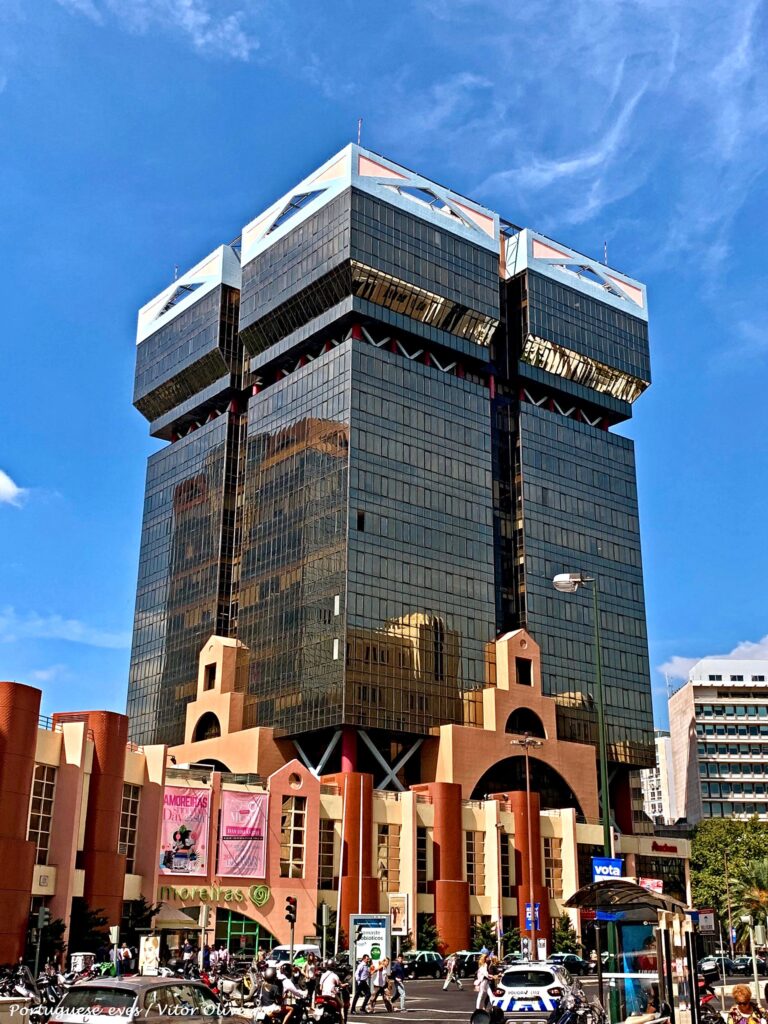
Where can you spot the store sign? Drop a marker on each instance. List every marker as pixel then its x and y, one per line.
pixel 657 847
pixel 243 834
pixel 259 895
pixel 707 925
pixel 606 867
pixel 184 834
pixel 398 913
pixel 370 935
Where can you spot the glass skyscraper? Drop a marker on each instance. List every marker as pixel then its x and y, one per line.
pixel 387 420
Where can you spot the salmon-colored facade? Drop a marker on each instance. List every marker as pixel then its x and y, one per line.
pixel 459 845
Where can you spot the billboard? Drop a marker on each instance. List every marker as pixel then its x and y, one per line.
pixel 184 834
pixel 369 933
pixel 243 834
pixel 398 913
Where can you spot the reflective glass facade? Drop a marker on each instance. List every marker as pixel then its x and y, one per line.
pixel 388 462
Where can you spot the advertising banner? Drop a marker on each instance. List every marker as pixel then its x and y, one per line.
pixel 243 835
pixel 184 836
pixel 398 913
pixel 606 867
pixel 369 934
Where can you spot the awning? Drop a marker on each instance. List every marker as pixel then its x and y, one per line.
pixel 619 894
pixel 170 917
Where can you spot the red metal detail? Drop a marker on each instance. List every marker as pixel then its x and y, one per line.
pixel 233 406
pixel 459 370
pixel 393 346
pixel 551 405
pixel 492 385
pixel 302 360
pixel 256 388
pixel 427 359
pixel 327 347
pixel 357 332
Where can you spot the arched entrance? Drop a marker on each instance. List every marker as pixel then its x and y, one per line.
pixel 509 774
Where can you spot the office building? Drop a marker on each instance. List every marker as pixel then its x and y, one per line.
pixel 718 722
pixel 658 783
pixel 388 421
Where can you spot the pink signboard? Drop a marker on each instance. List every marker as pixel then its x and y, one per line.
pixel 184 836
pixel 243 834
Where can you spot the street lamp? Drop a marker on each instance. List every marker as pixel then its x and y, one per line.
pixel 526 742
pixel 569 583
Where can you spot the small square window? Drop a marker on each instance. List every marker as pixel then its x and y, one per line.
pixel 209 680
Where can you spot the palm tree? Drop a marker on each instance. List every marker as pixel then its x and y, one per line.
pixel 750 891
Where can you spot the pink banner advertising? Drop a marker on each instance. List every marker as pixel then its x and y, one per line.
pixel 243 835
pixel 184 837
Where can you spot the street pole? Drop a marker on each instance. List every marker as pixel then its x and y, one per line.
pixel 602 740
pixel 728 903
pixel 534 955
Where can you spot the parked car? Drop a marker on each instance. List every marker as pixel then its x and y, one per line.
pixel 716 966
pixel 514 958
pixel 423 963
pixel 280 955
pixel 89 1002
pixel 534 988
pixel 743 965
pixel 574 964
pixel 466 962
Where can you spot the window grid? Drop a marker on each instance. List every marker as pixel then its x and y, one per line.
pixel 292 836
pixel 388 854
pixel 326 854
pixel 129 822
pixel 553 866
pixel 41 810
pixel 475 854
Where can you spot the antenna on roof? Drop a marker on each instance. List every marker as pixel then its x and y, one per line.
pixel 359 129
pixel 605 253
pixel 176 272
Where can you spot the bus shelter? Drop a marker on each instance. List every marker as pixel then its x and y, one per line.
pixel 652 947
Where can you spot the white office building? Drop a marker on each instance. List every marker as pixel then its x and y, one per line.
pixel 719 732
pixel 658 783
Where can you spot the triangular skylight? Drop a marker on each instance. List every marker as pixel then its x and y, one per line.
pixel 295 204
pixel 425 196
pixel 181 293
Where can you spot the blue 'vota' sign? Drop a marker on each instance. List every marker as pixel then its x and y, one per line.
pixel 606 867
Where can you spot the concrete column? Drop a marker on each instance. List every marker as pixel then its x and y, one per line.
pixel 19 712
pixel 451 889
pixel 357 878
pixel 104 866
pixel 348 749
pixel 65 823
pixel 518 801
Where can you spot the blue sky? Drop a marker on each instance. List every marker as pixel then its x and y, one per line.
pixel 139 134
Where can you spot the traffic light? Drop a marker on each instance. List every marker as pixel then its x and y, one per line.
pixel 43 917
pixel 290 909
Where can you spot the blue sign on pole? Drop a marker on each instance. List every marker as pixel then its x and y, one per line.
pixel 528 915
pixel 606 867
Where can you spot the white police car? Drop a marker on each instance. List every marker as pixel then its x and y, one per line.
pixel 533 989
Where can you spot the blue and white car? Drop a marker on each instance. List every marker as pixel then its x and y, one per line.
pixel 533 990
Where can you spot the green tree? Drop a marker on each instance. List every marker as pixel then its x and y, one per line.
pixel 88 929
pixel 718 842
pixel 484 934
pixel 51 942
pixel 564 937
pixel 137 920
pixel 428 936
pixel 749 892
pixel 511 940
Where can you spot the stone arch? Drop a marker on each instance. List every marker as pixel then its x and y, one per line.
pixel 509 775
pixel 522 721
pixel 208 727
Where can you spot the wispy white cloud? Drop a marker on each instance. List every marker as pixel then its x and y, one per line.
pixel 678 666
pixel 47 675
pixel 10 492
pixel 206 24
pixel 33 626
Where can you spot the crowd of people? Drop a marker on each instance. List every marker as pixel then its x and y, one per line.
pixel 384 979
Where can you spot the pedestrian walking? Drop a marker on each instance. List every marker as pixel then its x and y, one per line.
pixel 310 970
pixel 380 981
pixel 362 984
pixel 452 975
pixel 482 983
pixel 397 973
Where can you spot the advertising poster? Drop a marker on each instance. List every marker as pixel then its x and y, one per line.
pixel 398 913
pixel 243 835
pixel 149 954
pixel 184 836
